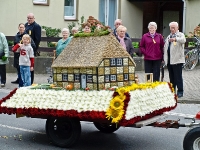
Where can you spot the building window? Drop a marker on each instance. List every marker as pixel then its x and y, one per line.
pixel 108 12
pixel 76 77
pixel 107 78
pixel 112 77
pixel 70 10
pixel 119 61
pixel 89 78
pixel 125 76
pixel 65 77
pixel 112 62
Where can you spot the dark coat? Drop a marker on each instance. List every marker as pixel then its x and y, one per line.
pixel 18 38
pixel 129 46
pixel 34 30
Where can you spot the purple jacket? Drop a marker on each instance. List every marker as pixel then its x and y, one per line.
pixel 151 50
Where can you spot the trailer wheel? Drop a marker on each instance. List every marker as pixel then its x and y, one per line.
pixel 63 132
pixel 106 128
pixel 192 139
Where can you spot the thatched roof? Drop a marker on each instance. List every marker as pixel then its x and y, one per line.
pixel 90 51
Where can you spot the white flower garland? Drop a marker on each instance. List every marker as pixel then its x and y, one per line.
pixel 146 101
pixel 141 102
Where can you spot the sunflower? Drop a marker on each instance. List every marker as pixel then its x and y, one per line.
pixel 115 115
pixel 117 102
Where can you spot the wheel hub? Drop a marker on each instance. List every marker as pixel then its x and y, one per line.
pixel 196 144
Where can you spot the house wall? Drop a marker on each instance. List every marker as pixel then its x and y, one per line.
pixel 14 12
pixel 132 17
pixel 192 15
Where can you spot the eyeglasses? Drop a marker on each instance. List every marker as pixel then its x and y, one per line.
pixel 29 18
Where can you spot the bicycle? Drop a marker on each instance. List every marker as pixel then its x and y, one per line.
pixel 192 56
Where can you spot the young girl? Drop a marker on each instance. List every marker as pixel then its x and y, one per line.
pixel 26 60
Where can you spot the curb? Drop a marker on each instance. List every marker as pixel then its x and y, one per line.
pixel 192 101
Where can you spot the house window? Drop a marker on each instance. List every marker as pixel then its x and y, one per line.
pixel 108 12
pixel 112 61
pixel 107 78
pixel 65 77
pixel 89 78
pixel 76 77
pixel 70 9
pixel 112 77
pixel 119 61
pixel 125 76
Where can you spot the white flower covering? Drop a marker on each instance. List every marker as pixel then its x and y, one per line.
pixel 60 100
pixel 141 102
pixel 146 101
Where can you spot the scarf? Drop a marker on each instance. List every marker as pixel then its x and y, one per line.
pixel 121 41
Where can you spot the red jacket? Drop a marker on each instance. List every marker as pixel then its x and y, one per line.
pixel 152 48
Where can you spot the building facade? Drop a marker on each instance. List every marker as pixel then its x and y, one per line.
pixel 136 14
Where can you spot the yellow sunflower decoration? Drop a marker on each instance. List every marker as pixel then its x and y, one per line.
pixel 116 110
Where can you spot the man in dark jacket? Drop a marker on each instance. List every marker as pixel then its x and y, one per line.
pixel 34 30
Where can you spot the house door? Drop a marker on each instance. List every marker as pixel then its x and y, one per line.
pixel 83 81
pixel 169 16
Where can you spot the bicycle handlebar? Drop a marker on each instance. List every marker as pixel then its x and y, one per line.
pixel 196 38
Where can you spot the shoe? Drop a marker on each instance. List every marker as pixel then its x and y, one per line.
pixel 180 95
pixel 15 82
pixel 2 85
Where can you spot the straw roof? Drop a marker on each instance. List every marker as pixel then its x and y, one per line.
pixel 90 51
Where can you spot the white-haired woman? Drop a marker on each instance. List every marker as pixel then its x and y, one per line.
pixel 151 46
pixel 62 43
pixel 124 40
pixel 74 30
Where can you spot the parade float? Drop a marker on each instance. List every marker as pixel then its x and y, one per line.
pixel 93 80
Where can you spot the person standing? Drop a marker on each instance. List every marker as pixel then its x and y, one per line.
pixel 4 53
pixel 17 40
pixel 151 46
pixel 26 59
pixel 117 23
pixel 34 30
pixel 62 43
pixel 174 57
pixel 125 41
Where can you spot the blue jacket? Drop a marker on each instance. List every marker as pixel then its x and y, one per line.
pixel 61 45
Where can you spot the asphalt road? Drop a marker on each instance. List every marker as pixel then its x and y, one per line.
pixel 29 133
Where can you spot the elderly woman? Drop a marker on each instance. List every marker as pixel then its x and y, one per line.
pixel 74 30
pixel 123 40
pixel 62 43
pixel 151 45
pixel 117 23
pixel 4 53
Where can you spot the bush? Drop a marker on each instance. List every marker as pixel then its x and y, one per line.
pixel 50 32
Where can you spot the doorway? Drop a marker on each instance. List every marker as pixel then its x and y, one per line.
pixel 169 16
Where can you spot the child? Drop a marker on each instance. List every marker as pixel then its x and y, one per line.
pixel 26 60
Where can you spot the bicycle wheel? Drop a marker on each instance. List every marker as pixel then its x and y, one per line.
pixel 191 59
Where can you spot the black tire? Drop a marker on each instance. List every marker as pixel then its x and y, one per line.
pixel 63 132
pixel 192 139
pixel 191 59
pixel 106 128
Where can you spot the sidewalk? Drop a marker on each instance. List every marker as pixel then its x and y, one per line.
pixel 191 83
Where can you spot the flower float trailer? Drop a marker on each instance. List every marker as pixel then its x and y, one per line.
pixel 64 109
